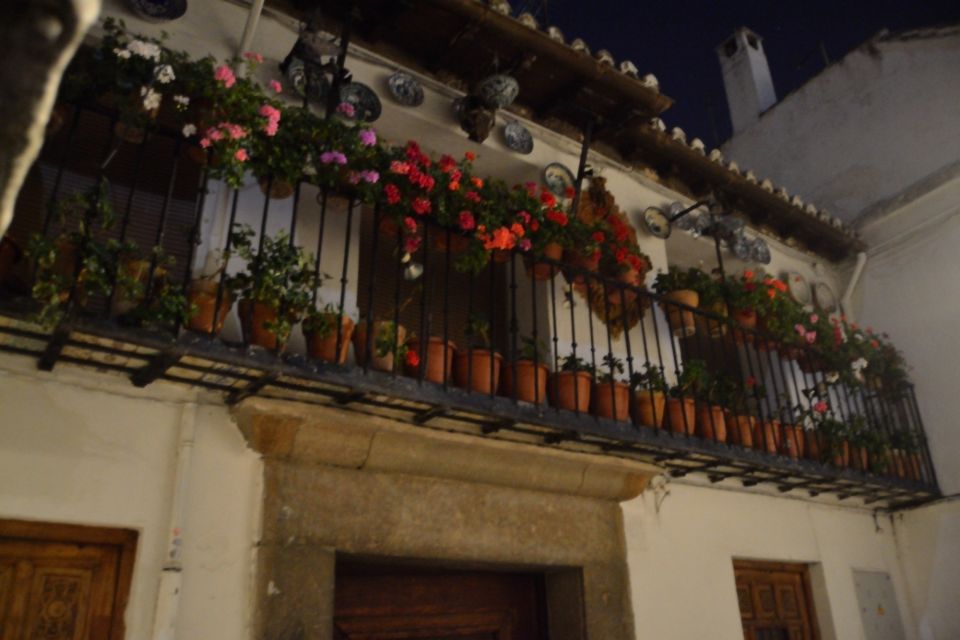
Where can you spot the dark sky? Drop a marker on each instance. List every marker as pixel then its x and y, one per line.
pixel 675 40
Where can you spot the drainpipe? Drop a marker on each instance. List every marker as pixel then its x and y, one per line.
pixel 845 303
pixel 251 27
pixel 168 595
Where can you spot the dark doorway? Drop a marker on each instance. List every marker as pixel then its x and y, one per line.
pixel 376 602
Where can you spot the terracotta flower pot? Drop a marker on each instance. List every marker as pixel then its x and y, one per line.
pixel 791 444
pixel 531 381
pixel 570 390
pixel 575 259
pixel 325 347
pixel 859 458
pixel 437 358
pixel 279 189
pixel 711 424
pixel 383 362
pixel 682 415
pixel 811 448
pixel 650 407
pixel 625 295
pixel 766 435
pixel 133 271
pixel 472 370
pixel 841 458
pixel 611 400
pixel 541 270
pixel 500 256
pixel 253 319
pixel 898 466
pixel 203 295
pixel 682 322
pixel 741 429
pixel 915 466
pixel 711 326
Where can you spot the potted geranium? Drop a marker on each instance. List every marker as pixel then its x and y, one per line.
pixel 582 256
pixel 681 406
pixel 570 387
pixel 678 287
pixel 548 239
pixel 622 260
pixel 387 342
pixel 434 358
pixel 477 367
pixel 611 396
pixel 276 289
pixel 713 393
pixel 320 331
pixel 650 397
pixel 531 373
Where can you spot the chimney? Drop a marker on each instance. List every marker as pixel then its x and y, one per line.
pixel 746 78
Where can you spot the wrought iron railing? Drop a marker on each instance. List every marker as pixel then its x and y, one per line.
pixel 525 341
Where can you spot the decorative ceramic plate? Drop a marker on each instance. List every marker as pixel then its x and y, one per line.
pixel 518 138
pixel 824 296
pixel 799 288
pixel 365 102
pixel 656 222
pixel 498 91
pixel 558 178
pixel 741 246
pixel 159 10
pixel 296 73
pixel 405 89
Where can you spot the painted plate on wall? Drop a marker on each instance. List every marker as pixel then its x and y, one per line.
pixel 518 138
pixel 798 287
pixel 557 178
pixel 405 89
pixel 159 10
pixel 365 102
pixel 824 296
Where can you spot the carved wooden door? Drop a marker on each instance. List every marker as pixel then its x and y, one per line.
pixel 400 604
pixel 61 582
pixel 775 601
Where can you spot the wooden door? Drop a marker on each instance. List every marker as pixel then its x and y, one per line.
pixel 775 601
pixel 63 582
pixel 377 603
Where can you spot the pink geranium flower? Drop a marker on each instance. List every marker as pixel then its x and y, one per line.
pixel 368 137
pixel 820 407
pixel 253 57
pixel 811 337
pixel 275 86
pixel 224 74
pixel 241 155
pixel 346 109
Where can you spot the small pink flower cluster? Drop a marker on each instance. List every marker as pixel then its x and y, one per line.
pixel 224 74
pixel 809 336
pixel 334 157
pixel 233 131
pixel 272 114
pixel 367 175
pixel 346 109
pixel 275 86
pixel 368 137
pixel 253 57
pixel 821 407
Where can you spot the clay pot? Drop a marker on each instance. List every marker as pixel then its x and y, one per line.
pixel 612 400
pixel 133 271
pixel 741 429
pixel 746 320
pixel 279 189
pixel 625 295
pixel 325 348
pixel 576 260
pixel 811 448
pixel 650 405
pixel 791 444
pixel 383 362
pixel 500 256
pixel 766 435
pixel 898 466
pixel 915 466
pixel 711 424
pixel 570 390
pixel 437 358
pixel 859 458
pixel 253 319
pixel 203 295
pixel 531 381
pixel 472 370
pixel 842 458
pixel 682 322
pixel 682 415
pixel 711 326
pixel 542 270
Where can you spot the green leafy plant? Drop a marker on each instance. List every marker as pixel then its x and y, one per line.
pixel 610 369
pixel 386 341
pixel 693 380
pixel 675 279
pixel 533 350
pixel 573 363
pixel 650 378
pixel 322 322
pixel 478 331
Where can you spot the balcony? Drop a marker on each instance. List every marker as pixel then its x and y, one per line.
pixel 537 350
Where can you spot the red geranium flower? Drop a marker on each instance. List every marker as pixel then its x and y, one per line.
pixel 393 194
pixel 413 360
pixel 421 206
pixel 467 221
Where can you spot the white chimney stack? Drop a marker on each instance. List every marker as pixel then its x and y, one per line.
pixel 746 77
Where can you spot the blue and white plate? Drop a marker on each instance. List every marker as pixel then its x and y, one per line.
pixel 405 89
pixel 365 102
pixel 557 177
pixel 159 10
pixel 297 71
pixel 518 138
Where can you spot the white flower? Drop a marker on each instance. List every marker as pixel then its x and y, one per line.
pixel 147 50
pixel 164 74
pixel 858 338
pixel 122 53
pixel 309 170
pixel 858 366
pixel 181 100
pixel 189 130
pixel 832 377
pixel 151 99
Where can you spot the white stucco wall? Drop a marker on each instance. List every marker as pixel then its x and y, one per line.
pixel 88 448
pixel 865 128
pixel 681 559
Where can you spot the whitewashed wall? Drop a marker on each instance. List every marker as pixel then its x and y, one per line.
pixel 91 449
pixel 681 559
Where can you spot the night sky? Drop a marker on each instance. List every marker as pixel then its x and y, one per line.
pixel 675 40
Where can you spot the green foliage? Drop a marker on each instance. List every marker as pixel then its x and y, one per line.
pixel 322 322
pixel 533 350
pixel 573 363
pixel 693 380
pixel 651 378
pixel 676 279
pixel 610 369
